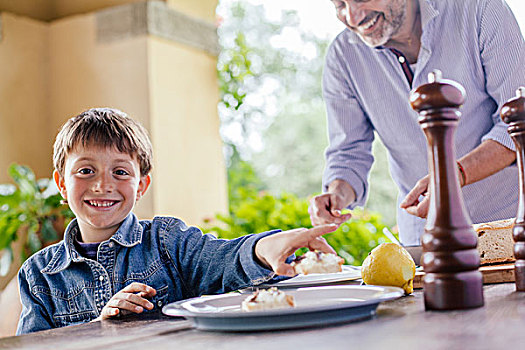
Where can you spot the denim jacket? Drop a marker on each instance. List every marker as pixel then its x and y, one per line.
pixel 58 287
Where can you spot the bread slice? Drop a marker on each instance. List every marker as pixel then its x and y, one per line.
pixel 264 299
pixel 495 242
pixel 317 262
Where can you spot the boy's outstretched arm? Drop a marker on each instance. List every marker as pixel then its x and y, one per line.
pixel 273 250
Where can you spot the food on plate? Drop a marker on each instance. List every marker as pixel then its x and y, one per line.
pixel 317 262
pixel 264 299
pixel 495 242
pixel 389 264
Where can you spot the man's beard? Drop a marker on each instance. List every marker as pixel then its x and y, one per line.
pixel 397 15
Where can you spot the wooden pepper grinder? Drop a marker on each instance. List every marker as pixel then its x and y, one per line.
pixel 450 259
pixel 513 113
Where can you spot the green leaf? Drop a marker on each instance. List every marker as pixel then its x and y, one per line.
pixel 25 179
pixel 49 234
pixel 33 241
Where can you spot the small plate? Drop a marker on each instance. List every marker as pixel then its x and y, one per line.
pixel 349 273
pixel 315 306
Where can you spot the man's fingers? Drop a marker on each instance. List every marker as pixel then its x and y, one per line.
pixel 323 209
pixel 343 218
pixel 411 198
pixel 419 210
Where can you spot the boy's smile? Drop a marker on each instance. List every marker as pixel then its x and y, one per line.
pixel 101 186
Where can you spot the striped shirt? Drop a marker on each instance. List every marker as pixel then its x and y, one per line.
pixel 477 43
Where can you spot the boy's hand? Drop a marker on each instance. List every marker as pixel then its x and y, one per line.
pixel 273 250
pixel 131 298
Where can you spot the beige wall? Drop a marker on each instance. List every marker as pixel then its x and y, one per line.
pixel 24 92
pixel 204 9
pixel 54 70
pixel 185 126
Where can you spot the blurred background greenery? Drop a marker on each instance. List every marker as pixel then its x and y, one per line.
pixel 273 124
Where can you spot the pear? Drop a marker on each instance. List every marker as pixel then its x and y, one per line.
pixel 389 264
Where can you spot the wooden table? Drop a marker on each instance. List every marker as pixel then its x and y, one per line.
pixel 399 324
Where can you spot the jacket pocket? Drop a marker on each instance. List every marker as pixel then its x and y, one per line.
pixel 160 299
pixel 69 306
pixel 75 318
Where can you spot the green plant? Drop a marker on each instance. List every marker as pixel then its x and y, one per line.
pixel 31 206
pixel 254 212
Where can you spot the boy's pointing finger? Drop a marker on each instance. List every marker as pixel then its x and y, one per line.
pixel 318 231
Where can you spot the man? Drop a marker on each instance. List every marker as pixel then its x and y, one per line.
pixel 388 48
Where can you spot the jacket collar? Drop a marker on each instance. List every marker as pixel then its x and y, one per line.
pixel 128 235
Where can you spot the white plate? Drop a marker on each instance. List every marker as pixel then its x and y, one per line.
pixel 315 306
pixel 349 273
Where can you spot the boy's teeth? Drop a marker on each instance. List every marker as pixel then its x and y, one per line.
pixel 101 204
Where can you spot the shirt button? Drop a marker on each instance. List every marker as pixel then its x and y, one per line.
pixel 111 244
pixel 101 278
pixel 401 59
pixel 159 303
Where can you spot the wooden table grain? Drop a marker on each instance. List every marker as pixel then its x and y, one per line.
pixel 399 324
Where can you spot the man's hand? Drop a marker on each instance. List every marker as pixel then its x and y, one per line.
pixel 273 250
pixel 417 200
pixel 131 298
pixel 326 208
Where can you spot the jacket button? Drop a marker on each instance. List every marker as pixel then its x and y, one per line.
pixel 101 278
pixel 159 303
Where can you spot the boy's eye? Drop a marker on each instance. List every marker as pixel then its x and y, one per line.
pixel 121 172
pixel 85 171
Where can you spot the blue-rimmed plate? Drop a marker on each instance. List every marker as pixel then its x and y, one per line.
pixel 315 306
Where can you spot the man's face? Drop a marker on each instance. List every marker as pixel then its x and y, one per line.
pixel 101 186
pixel 375 21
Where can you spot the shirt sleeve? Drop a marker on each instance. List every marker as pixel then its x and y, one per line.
pixel 33 316
pixel 350 133
pixel 210 265
pixel 502 51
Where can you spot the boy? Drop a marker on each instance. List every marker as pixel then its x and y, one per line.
pixel 109 262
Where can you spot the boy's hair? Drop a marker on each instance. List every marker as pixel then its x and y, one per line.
pixel 106 127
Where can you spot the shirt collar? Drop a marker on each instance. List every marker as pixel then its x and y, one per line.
pixel 128 234
pixel 428 12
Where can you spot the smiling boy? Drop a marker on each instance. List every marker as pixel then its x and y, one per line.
pixel 111 263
